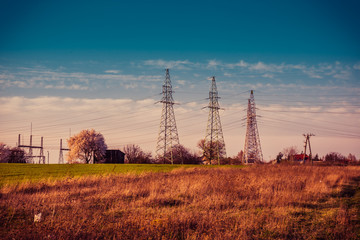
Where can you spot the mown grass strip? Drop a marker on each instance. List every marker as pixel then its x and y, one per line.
pixel 17 173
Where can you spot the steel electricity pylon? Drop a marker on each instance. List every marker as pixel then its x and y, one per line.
pixel 252 149
pixel 168 135
pixel 214 144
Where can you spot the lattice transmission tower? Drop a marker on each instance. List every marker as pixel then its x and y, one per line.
pixel 252 149
pixel 168 135
pixel 214 144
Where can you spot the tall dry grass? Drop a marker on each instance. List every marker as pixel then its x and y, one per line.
pixel 260 202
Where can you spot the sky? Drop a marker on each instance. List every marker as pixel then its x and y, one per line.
pixel 72 65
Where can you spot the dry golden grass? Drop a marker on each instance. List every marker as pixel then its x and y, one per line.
pixel 259 202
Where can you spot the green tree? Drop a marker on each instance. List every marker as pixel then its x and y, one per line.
pixel 11 155
pixel 334 157
pixel 279 157
pixel 17 155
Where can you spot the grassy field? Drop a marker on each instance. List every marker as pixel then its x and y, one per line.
pixel 258 202
pixel 18 173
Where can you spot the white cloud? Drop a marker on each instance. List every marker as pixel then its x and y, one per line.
pixel 268 75
pixel 41 78
pixel 179 64
pixel 344 75
pixel 357 66
pixel 130 86
pixel 260 66
pixel 241 63
pixel 112 71
pixel 181 82
pixel 213 64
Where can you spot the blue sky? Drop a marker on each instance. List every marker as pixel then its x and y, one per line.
pixel 286 29
pixel 302 58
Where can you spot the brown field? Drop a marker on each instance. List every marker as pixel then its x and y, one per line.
pixel 259 202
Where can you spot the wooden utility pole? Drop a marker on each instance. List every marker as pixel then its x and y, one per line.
pixel 306 143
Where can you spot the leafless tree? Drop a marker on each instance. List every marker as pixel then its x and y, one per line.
pixel 351 157
pixel 134 154
pixel 4 153
pixel 289 152
pixel 211 151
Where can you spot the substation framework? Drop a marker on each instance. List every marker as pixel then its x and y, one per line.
pixel 30 155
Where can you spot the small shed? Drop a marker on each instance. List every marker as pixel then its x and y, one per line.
pixel 112 156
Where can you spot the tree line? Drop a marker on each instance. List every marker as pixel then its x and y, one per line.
pixel 89 144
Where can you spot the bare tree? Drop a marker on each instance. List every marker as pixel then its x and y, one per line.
pixel 4 153
pixel 134 154
pixel 86 146
pixel 182 155
pixel 289 152
pixel 211 151
pixel 351 157
pixel 239 157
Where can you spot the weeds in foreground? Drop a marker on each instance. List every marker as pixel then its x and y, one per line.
pixel 260 202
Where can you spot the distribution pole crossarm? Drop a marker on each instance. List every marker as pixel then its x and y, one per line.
pixel 252 148
pixel 168 136
pixel 214 144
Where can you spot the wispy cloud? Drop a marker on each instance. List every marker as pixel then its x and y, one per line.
pixel 213 64
pixel 241 63
pixel 178 64
pixel 112 71
pixel 40 78
pixel 260 66
pixel 268 75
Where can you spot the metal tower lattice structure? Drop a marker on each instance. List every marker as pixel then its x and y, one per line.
pixel 168 135
pixel 252 149
pixel 214 145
